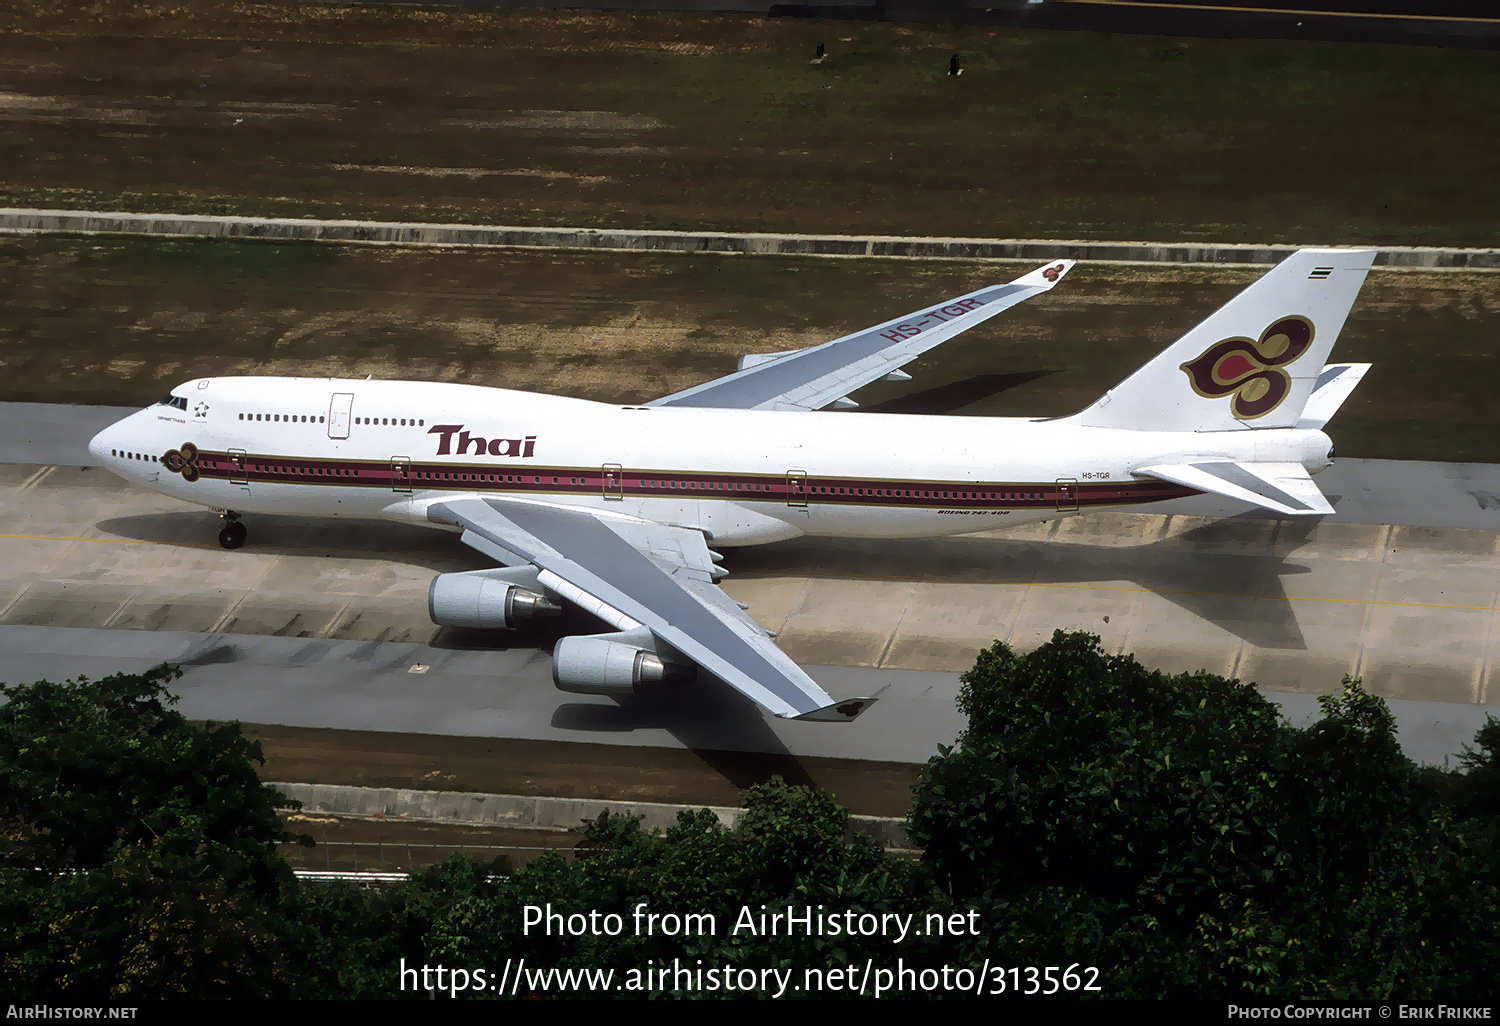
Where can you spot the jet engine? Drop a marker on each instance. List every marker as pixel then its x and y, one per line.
pixel 614 664
pixel 505 597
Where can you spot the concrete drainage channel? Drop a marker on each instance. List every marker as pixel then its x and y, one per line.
pixel 505 811
pixel 22 220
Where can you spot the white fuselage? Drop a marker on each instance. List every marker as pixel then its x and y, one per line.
pixel 328 447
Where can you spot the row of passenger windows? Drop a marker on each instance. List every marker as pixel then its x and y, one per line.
pixel 903 493
pixel 911 493
pixel 420 475
pixel 721 486
pixel 667 484
pixel 712 486
pixel 282 418
pixel 295 418
pixel 285 468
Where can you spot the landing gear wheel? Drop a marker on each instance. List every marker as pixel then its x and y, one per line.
pixel 233 535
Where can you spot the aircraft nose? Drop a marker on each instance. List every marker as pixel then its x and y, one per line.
pixel 97 448
pixel 100 445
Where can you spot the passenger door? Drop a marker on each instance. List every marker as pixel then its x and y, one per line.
pixel 339 409
pixel 237 470
pixel 1067 494
pixel 613 482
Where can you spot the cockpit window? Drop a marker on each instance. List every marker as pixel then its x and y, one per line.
pixel 173 400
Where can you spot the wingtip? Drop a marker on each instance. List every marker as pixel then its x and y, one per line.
pixel 842 711
pixel 1047 275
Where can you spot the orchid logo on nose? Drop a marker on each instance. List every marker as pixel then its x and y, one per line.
pixel 1251 370
pixel 182 461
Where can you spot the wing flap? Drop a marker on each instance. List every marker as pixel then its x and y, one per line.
pixel 812 378
pixel 1280 487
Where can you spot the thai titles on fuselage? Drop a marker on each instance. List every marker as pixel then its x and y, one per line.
pixel 477 445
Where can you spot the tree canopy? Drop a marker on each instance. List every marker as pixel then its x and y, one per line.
pixel 1172 835
pixel 1178 829
pixel 139 853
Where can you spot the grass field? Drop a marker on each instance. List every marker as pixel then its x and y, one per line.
pixel 121 320
pixel 638 121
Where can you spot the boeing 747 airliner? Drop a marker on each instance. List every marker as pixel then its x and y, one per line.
pixel 614 508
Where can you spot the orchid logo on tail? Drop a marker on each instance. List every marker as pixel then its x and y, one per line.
pixel 1251 370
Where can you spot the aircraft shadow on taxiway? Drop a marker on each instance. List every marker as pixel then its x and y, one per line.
pixel 1247 597
pixel 381 540
pixel 1243 593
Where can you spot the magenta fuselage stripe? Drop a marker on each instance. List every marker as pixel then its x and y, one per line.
pixel 800 488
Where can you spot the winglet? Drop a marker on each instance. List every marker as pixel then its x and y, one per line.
pixel 839 712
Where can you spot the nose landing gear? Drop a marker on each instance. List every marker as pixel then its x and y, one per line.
pixel 234 533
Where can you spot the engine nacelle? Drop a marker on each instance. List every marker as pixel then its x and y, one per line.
pixel 613 664
pixel 486 599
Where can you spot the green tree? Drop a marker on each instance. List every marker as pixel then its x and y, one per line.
pixel 789 848
pixel 140 849
pixel 1178 828
pixel 1476 791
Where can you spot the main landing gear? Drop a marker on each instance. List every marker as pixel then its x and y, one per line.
pixel 233 534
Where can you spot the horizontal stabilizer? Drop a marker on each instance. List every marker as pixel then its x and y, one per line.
pixel 1279 487
pixel 1335 383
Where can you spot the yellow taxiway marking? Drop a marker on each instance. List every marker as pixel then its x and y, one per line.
pixel 847 577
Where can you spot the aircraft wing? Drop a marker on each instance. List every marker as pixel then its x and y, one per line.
pixel 810 379
pixel 638 574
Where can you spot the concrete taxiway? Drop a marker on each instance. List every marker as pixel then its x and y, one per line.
pixel 322 623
